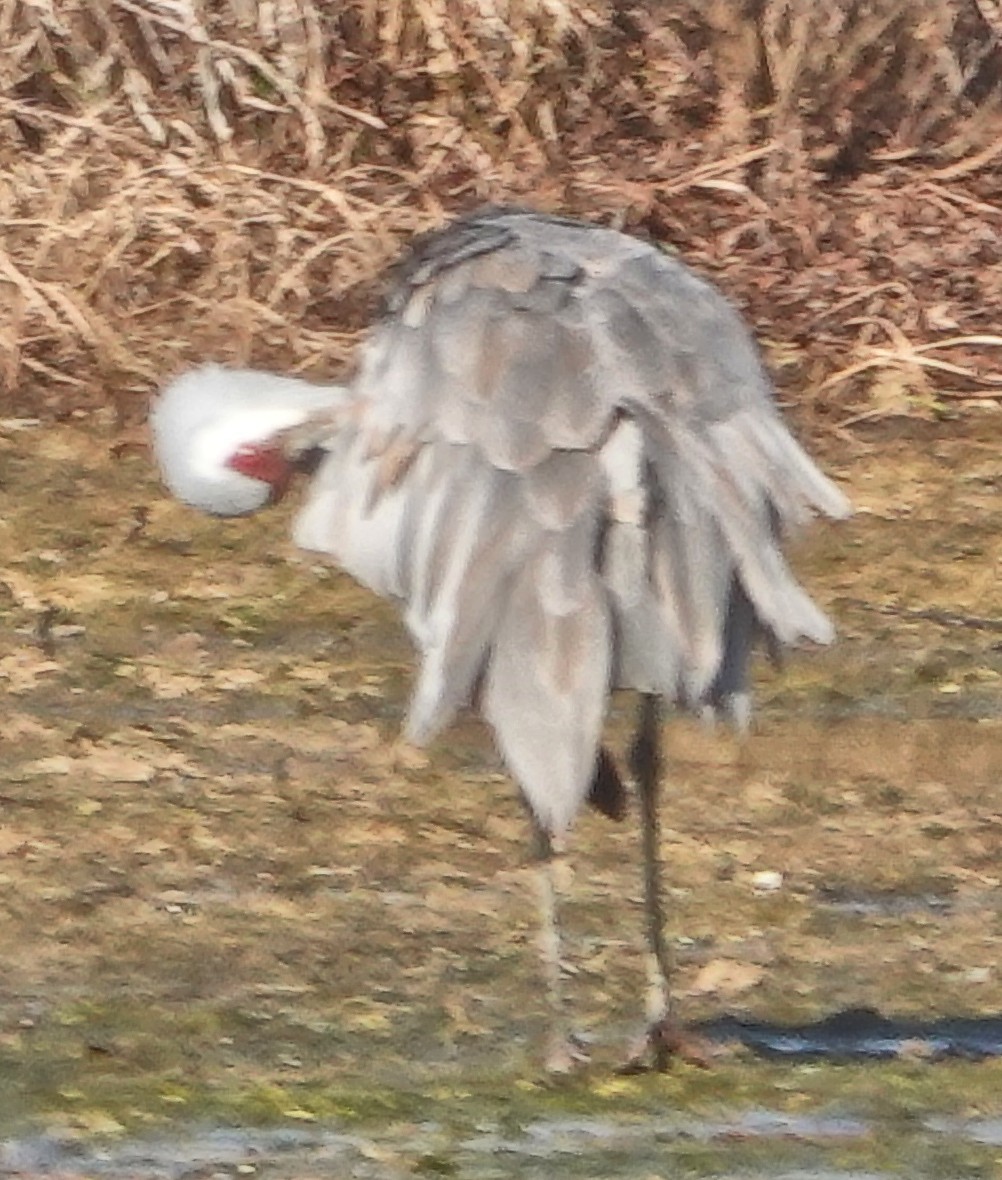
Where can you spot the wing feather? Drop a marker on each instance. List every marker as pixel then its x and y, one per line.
pixel 561 488
pixel 454 619
pixel 547 683
pixel 569 444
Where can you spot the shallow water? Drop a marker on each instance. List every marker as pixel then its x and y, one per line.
pixel 229 900
pixel 558 1147
pixel 750 1143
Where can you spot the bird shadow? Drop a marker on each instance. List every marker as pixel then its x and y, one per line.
pixel 860 1034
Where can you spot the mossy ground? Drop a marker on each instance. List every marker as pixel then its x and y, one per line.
pixel 230 896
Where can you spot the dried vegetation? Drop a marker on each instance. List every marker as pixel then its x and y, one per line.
pixel 182 179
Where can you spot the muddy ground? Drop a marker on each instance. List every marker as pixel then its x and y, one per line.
pixel 231 900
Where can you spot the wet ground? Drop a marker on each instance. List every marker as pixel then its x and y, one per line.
pixel 244 931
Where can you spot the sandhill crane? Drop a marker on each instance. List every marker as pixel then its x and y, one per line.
pixel 561 455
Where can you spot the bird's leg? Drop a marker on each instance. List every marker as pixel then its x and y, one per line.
pixel 645 763
pixel 563 1053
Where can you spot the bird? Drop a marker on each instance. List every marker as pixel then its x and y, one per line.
pixel 561 455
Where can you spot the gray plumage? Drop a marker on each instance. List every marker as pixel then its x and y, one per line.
pixel 593 492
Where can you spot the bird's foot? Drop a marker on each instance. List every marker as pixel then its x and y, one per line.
pixel 566 1055
pixel 663 1043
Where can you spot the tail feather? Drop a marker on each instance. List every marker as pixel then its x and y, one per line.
pixel 607 793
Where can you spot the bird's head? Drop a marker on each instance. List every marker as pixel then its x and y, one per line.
pixel 216 436
pixel 266 463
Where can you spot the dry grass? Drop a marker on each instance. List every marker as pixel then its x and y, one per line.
pixel 182 179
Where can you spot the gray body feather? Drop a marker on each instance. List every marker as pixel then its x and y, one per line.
pixel 567 465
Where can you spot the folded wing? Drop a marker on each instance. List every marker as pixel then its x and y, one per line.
pixel 567 464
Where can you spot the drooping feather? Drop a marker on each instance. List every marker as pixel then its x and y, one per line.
pixel 565 461
pixel 601 400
